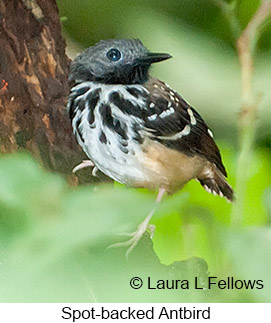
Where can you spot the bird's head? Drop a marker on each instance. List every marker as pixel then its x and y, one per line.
pixel 115 61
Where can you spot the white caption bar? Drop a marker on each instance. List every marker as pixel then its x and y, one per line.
pixel 98 312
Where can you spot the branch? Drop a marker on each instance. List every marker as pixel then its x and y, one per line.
pixel 245 46
pixel 250 103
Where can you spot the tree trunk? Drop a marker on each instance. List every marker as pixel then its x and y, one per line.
pixel 33 85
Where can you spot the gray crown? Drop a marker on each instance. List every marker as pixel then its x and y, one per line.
pixel 123 61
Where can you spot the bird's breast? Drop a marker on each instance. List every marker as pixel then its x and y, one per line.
pixel 108 124
pixel 106 120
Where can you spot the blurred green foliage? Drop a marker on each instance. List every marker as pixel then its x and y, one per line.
pixel 54 238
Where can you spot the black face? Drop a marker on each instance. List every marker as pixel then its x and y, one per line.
pixel 123 61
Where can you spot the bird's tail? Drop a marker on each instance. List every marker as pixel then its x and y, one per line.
pixel 213 181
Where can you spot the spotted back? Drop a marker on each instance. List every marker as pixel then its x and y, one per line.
pixel 174 123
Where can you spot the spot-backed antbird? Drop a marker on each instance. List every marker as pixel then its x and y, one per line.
pixel 136 129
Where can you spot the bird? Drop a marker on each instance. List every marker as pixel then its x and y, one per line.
pixel 136 129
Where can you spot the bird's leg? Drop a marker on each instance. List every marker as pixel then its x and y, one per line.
pixel 142 228
pixel 84 164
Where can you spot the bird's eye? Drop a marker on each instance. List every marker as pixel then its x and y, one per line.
pixel 113 55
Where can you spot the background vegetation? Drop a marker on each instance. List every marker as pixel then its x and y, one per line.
pixel 53 237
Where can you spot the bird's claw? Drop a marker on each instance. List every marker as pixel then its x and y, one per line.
pixel 151 229
pixel 84 164
pixel 94 171
pixel 135 237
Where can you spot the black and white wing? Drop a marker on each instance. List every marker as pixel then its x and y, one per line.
pixel 174 123
pixel 177 125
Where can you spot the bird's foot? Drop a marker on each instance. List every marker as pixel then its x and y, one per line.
pixel 84 164
pixel 136 236
pixel 142 228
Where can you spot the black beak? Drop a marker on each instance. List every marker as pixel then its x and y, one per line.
pixel 150 58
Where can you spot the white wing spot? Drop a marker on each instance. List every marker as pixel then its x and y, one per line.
pixel 210 133
pixel 184 132
pixel 192 118
pixel 152 117
pixel 163 114
pixel 171 110
pixel 166 113
pixel 152 105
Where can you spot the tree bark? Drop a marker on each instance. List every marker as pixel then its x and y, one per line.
pixel 34 86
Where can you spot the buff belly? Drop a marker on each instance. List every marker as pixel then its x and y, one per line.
pixel 151 165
